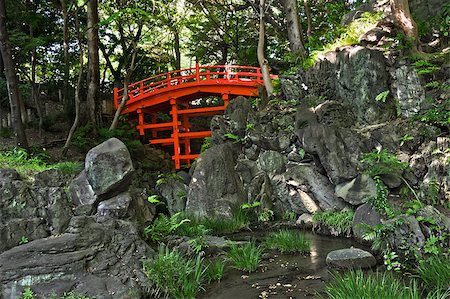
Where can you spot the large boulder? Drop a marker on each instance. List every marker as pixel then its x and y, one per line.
pixel 215 188
pixel 174 192
pixel 365 215
pixel 102 260
pixel 350 258
pixel 358 190
pixel 109 168
pixel 81 191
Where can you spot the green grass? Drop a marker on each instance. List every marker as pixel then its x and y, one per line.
pixel 29 294
pixel 340 221
pixel 174 275
pixel 215 269
pixel 27 164
pixel 289 241
pixel 245 257
pixel 435 272
pixel 359 285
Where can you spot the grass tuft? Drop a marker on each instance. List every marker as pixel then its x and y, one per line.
pixel 435 272
pixel 340 222
pixel 358 285
pixel 215 269
pixel 287 241
pixel 174 275
pixel 245 257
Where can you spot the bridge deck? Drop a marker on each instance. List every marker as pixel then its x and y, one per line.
pixel 173 92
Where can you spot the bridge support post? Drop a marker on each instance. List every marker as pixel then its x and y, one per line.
pixel 226 99
pixel 187 140
pixel 154 121
pixel 141 122
pixel 175 135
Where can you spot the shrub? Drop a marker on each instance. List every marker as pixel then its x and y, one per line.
pixel 245 257
pixel 435 272
pixel 287 241
pixel 339 221
pixel 174 275
pixel 379 162
pixel 357 285
pixel 164 226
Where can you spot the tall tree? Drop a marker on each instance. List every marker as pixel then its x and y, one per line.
pixel 403 18
pixel 294 30
pixel 263 63
pixel 93 62
pixel 12 80
pixel 66 53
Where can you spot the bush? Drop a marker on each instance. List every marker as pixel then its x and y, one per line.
pixel 357 285
pixel 287 241
pixel 245 257
pixel 164 226
pixel 174 275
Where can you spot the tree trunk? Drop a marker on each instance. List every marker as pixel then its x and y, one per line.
pixel 294 30
pixel 34 89
pixel 12 81
pixel 126 82
pixel 177 50
pixel 77 89
pixel 66 55
pixel 308 18
pixel 93 62
pixel 403 18
pixel 263 63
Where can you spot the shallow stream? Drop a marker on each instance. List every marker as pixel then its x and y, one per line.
pixel 280 275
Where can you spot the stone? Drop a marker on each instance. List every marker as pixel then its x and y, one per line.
pixel 406 235
pixel 215 188
pixel 334 114
pixel 339 150
pixel 407 90
pixel 8 175
pixel 272 162
pixel 81 191
pixel 174 192
pixel 109 168
pixel 115 207
pixel 99 259
pixel 317 184
pixel 12 232
pixel 358 190
pixel 305 220
pixel 350 258
pixel 392 180
pixel 51 178
pixel 364 215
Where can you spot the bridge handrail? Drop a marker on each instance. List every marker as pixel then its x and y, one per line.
pixel 173 79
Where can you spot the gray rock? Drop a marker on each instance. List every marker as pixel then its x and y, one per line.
pixel 51 178
pixel 317 184
pixel 350 258
pixel 8 175
pixel 364 215
pixel 272 162
pixel 81 191
pixel 109 168
pixel 174 192
pixel 407 90
pixel 334 114
pixel 102 260
pixel 358 190
pixel 115 207
pixel 13 231
pixel 305 220
pixel 392 180
pixel 215 188
pixel 406 236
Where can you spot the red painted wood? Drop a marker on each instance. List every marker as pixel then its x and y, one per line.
pixel 168 91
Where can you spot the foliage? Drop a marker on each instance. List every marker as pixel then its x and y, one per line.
pixel 214 225
pixel 154 199
pixel 265 215
pixel 29 294
pixel 233 137
pixel 405 139
pixel 198 243
pixel 339 221
pixel 164 178
pixel 289 241
pixel 378 234
pixel 164 226
pixel 215 269
pixel 380 201
pixel 175 276
pixel 381 97
pixel 23 240
pixel 69 167
pixel 206 144
pixel 435 272
pixel 380 162
pixel 425 67
pixel 355 284
pixel 289 216
pixel 245 257
pixel 438 115
pixel 391 262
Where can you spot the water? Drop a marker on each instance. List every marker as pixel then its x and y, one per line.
pixel 280 275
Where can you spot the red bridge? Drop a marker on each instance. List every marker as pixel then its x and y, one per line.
pixel 174 92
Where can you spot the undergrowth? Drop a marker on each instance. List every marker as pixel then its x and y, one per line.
pixel 287 241
pixel 245 257
pixel 339 221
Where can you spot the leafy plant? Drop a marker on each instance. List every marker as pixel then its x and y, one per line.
pixel 287 241
pixel 198 243
pixel 215 269
pixel 164 226
pixel 249 206
pixel 379 162
pixel 28 294
pixel 355 284
pixel 391 262
pixel 23 240
pixel 435 272
pixel 405 138
pixel 154 199
pixel 424 67
pixel 69 167
pixel 380 201
pixel 206 144
pixel 164 178
pixel 245 257
pixel 233 137
pixel 174 275
pixel 265 215
pixel 378 234
pixel 381 97
pixel 301 153
pixel 289 216
pixel 339 221
pixel 433 85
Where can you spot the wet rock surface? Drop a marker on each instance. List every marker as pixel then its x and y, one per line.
pixel 351 258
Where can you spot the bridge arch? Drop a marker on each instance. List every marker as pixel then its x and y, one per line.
pixel 174 91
